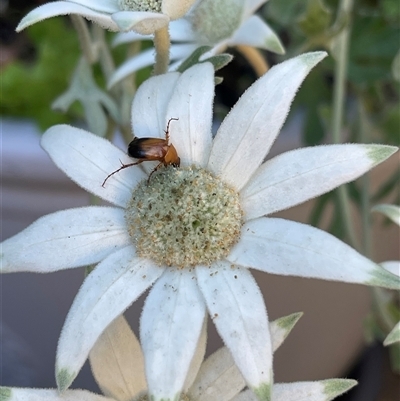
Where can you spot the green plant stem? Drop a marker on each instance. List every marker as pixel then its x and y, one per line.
pixel 162 44
pixel 84 37
pixel 365 188
pixel 128 89
pixel 105 57
pixel 339 97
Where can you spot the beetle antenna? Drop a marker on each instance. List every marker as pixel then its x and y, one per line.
pixel 167 130
pixel 121 168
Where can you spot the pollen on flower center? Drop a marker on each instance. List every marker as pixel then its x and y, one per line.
pixel 140 5
pixel 184 217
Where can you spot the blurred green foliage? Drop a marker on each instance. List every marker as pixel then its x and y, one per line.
pixel 374 42
pixel 29 89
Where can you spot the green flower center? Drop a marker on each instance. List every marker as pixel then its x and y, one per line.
pixel 214 21
pixel 140 5
pixel 184 217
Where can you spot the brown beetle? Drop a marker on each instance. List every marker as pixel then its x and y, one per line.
pixel 148 149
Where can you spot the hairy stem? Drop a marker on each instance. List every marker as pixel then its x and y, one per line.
pixel 84 37
pixel 162 45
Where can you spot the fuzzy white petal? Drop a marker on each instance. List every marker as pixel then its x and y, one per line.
pixel 393 336
pixel 289 248
pixel 64 240
pixel 145 59
pixel 88 159
pixel 218 380
pixel 139 21
pixel 247 133
pixel 250 6
pixel 56 8
pixel 281 328
pixel 191 102
pixel 390 211
pixel 198 358
pixel 393 266
pixel 255 32
pixel 149 105
pixel 109 289
pixel 36 394
pixel 117 362
pixel 325 390
pixel 181 31
pixel 128 37
pixel 170 329
pixel 104 6
pixel 237 308
pixel 294 177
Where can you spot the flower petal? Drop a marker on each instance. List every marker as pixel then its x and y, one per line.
pixel 36 394
pixel 281 328
pixel 181 31
pixel 140 21
pixel 251 6
pixel 109 289
pixel 191 102
pixel 170 328
pixel 247 133
pixel 198 358
pixel 150 103
pixel 128 37
pixel 88 159
pixel 145 59
pixel 104 6
pixel 393 336
pixel 255 32
pixel 294 177
pixel 324 390
pixel 237 308
pixel 117 362
pixel 390 211
pixel 393 266
pixel 218 380
pixel 57 8
pixel 285 247
pixel 66 239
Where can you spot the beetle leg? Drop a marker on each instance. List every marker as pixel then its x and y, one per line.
pixel 121 168
pixel 154 170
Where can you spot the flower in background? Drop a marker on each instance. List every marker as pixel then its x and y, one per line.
pixel 193 231
pixel 118 367
pixel 142 16
pixel 218 24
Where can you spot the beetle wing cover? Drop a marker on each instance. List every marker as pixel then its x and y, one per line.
pixel 148 148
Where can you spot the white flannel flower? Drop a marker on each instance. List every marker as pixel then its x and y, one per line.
pixel 193 232
pixel 142 16
pixel 219 24
pixel 118 366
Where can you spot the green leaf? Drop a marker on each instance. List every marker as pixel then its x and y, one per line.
pixel 27 90
pixel 219 61
pixel 374 44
